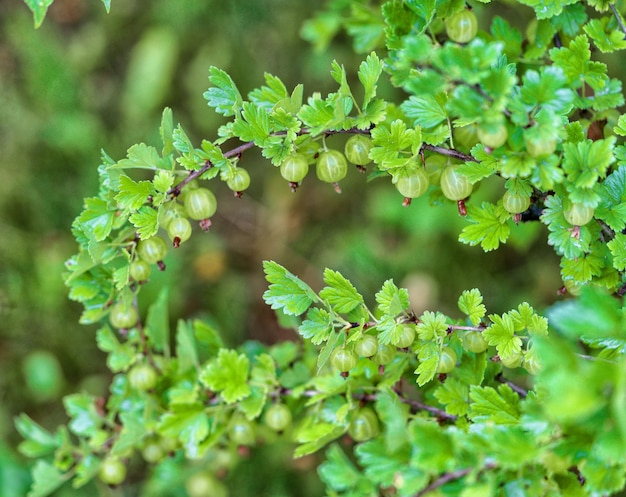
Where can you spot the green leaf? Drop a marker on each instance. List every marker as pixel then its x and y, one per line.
pixel 586 162
pixel 489 227
pixel 432 326
pixel 224 97
pixel 620 127
pixel 207 337
pixel 547 89
pixel 513 447
pixel 603 478
pixel 379 465
pixel 389 330
pixel 140 156
pixel 470 303
pixel 565 242
pixel 85 418
pixel 391 299
pixel 393 413
pixel 134 429
pixel 575 60
pixel 39 9
pixel 321 29
pixel 182 143
pixel 545 9
pixel 46 479
pixel 593 315
pixel 86 470
pixel 318 114
pixel 612 208
pixel 228 374
pixel 188 423
pixel 617 246
pixel 121 355
pixel 526 318
pixel 500 406
pixel 133 194
pixel 428 355
pixel 166 131
pixel 571 19
pixel 286 291
pixel 314 434
pixel 39 441
pixel 454 395
pixel 389 140
pixel 97 219
pixel 340 293
pixel 507 34
pixel 426 111
pixel 163 181
pixel 337 472
pixel 318 326
pixel 157 323
pixel 607 40
pixel 582 269
pixel 253 125
pixel 432 447
pixel 146 222
pixel 369 72
pixel 269 95
pixel 501 334
pixel 186 347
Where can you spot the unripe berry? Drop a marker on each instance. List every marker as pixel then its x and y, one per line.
pixel 343 359
pixel 277 417
pixel 454 185
pixel 364 425
pixel 123 315
pixel 200 204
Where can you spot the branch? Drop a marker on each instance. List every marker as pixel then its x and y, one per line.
pixel 175 190
pixel 448 477
pixel 450 152
pixel 618 17
pixel 516 388
pixel 480 327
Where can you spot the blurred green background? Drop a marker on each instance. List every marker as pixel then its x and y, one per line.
pixel 87 81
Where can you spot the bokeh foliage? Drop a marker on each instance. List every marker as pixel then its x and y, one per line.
pixel 86 80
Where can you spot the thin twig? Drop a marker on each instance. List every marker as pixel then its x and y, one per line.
pixel 450 152
pixel 448 477
pixel 480 327
pixel 618 17
pixel 516 388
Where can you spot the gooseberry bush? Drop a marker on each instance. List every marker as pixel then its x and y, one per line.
pixel 468 404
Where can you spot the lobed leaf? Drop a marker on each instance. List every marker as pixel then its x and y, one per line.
pixel 488 405
pixel 501 334
pixel 340 293
pixel 46 479
pixel 224 96
pixel 470 303
pixel 286 291
pixel 489 227
pixel 228 374
pixel 391 299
